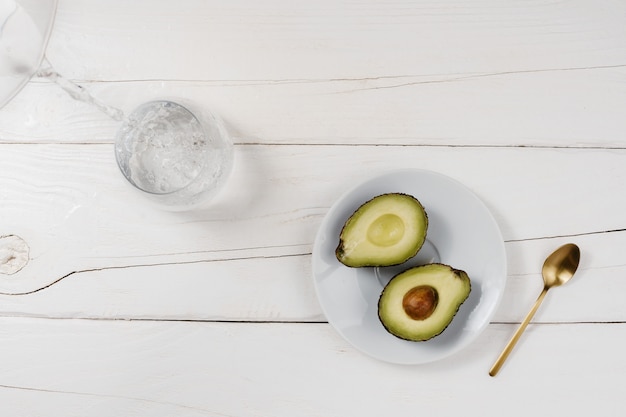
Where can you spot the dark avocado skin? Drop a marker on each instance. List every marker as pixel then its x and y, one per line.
pixel 339 251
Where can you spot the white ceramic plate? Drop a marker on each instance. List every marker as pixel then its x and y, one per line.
pixel 461 233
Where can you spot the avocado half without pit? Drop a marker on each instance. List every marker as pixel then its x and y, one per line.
pixel 419 303
pixel 387 230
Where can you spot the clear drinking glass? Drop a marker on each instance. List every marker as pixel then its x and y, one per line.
pixel 179 158
pixel 25 27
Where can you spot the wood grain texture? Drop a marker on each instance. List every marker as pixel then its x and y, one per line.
pixel 523 73
pixel 126 309
pixel 280 288
pixel 573 108
pixel 74 210
pixel 55 367
pixel 302 40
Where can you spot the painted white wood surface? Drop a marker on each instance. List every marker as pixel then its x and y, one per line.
pixel 130 310
pixel 99 368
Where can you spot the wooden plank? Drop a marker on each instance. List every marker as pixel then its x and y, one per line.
pixel 75 211
pixel 72 367
pixel 282 39
pixel 552 108
pixel 280 288
pixel 440 75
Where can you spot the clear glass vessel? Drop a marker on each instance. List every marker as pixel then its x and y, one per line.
pixel 179 158
pixel 25 27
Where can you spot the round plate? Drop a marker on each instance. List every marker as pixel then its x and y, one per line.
pixel 461 233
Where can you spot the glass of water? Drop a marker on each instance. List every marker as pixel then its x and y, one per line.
pixel 176 157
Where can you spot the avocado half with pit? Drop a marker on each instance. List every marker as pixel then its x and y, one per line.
pixel 419 303
pixel 387 230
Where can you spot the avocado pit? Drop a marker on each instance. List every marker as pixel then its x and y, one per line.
pixel 420 302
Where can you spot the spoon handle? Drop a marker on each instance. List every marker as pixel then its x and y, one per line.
pixel 509 347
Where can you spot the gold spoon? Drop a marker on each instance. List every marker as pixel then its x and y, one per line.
pixel 558 268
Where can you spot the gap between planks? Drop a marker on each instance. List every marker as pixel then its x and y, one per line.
pixel 279 81
pixel 279 322
pixel 351 144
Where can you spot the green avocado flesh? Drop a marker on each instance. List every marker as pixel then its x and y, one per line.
pixel 419 303
pixel 387 230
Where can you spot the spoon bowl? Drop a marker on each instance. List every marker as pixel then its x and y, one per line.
pixel 558 268
pixel 561 265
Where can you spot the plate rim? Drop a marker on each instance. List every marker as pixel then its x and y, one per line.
pixel 398 172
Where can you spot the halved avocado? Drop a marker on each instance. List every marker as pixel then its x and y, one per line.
pixel 387 230
pixel 419 303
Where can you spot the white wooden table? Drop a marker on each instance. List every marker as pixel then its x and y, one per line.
pixel 125 309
